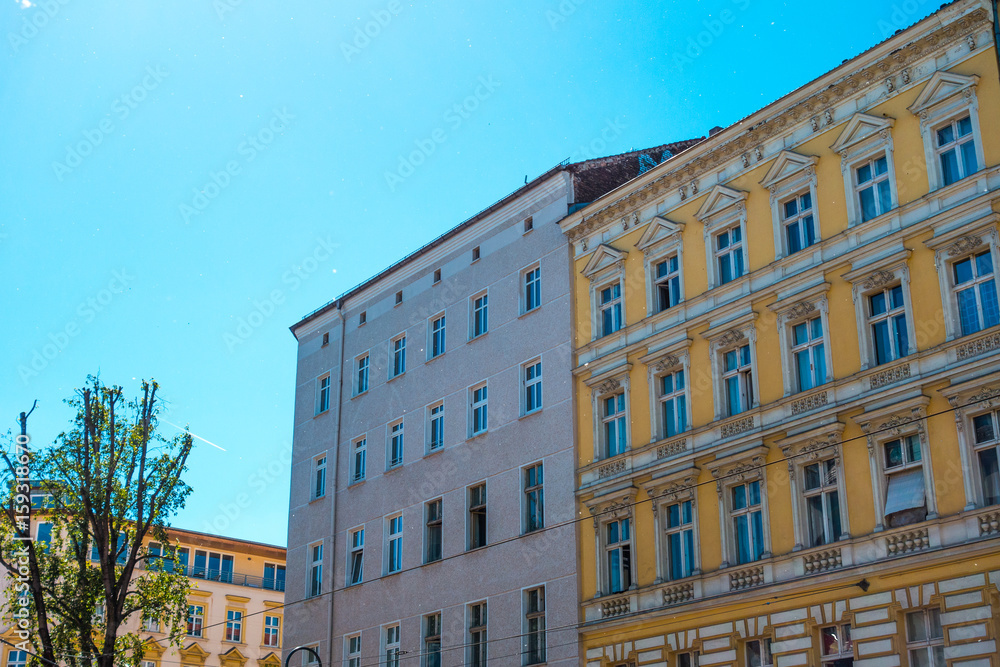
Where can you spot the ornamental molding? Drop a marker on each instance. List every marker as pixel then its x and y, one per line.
pixel 889 376
pixel 659 229
pixel 900 61
pixel 741 471
pixel 878 279
pixel 731 337
pixel 618 506
pixel 608 386
pixel 813 449
pixel 666 363
pixel 735 427
pixel 943 86
pixel 977 347
pixel 787 165
pixel 604 257
pixel 811 402
pixel 672 448
pixel 612 469
pixel 965 244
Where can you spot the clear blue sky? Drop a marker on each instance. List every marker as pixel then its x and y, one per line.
pixel 170 168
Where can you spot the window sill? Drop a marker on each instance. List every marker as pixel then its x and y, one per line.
pixel 394 377
pixel 321 413
pixel 390 469
pixel 356 482
pixel 470 550
pixel 536 411
pixel 359 394
pixel 312 500
pixel 477 435
pixel 436 356
pixel 479 337
pixel 434 452
pixel 266 647
pixel 529 312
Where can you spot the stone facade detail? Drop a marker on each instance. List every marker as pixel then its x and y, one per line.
pixel 980 346
pixel 678 594
pixel 821 561
pixel 889 376
pixel 746 578
pixel 616 607
pixel 611 469
pixel 907 542
pixel 809 403
pixel 671 448
pixel 737 426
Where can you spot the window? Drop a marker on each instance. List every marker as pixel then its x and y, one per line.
pixel 195 620
pixel 358 460
pixel 673 403
pixel 323 400
pixel 618 555
pixel 887 321
pixel 821 490
pixel 477 516
pixel 357 557
pixel 437 337
pixel 99 614
pixel 532 379
pixel 18 659
pixel 534 617
pixel 871 187
pixel 354 651
pixel 272 630
pixel 435 427
pixel 212 565
pixel 274 577
pixel 809 353
pixel 394 553
pixel 432 640
pixel 151 624
pixel 316 570
pixel 534 498
pixel 234 625
pixel 687 659
pixel 956 150
pixel 363 317
pixel 532 289
pixel 437 276
pixel 529 224
pixel 975 292
pixel 399 297
pixel 729 254
pixel 326 338
pixel 611 309
pixel 477 635
pixel 44 535
pixel 925 638
pixel 836 648
pixel 759 653
pixel 475 254
pixel 480 315
pixel 748 523
pixel 987 447
pixel 392 646
pixel 319 477
pixel 479 410
pixel 905 500
pixel 668 283
pixel 398 357
pixel 432 531
pixel 613 419
pixel 362 375
pixel 395 457
pixel 737 377
pixel 680 540
pixel 798 223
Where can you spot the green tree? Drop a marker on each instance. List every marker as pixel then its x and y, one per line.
pixel 111 485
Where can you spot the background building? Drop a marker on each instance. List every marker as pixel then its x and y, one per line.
pixel 787 367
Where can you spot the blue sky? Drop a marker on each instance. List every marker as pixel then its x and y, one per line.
pixel 180 182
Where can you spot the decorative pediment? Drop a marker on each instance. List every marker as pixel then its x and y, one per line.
pixel 940 87
pixel 720 198
pixel 659 229
pixel 604 256
pixel 193 653
pixel 813 444
pixel 615 505
pixel 271 660
pixel 861 126
pixel 153 647
pixel 788 164
pixel 742 466
pixel 679 484
pixel 232 658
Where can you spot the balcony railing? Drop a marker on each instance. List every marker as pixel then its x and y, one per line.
pixel 227 577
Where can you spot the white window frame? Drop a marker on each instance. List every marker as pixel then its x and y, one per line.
pixel 614 303
pixel 660 241
pixel 532 286
pixel 476 405
pixel 605 268
pixel 928 643
pixel 435 426
pixel 393 536
pixel 529 385
pixel 395 430
pixel 809 448
pixel 319 476
pixel 276 633
pixel 601 388
pixel 724 209
pixel 721 342
pixel 843 652
pixel 484 307
pixel 660 283
pixel 734 470
pixel 362 370
pixel 675 488
pixel 433 523
pixel 869 280
pixel 955 246
pixel 477 634
pixel 537 489
pixel 391 642
pixel 323 392
pixel 761 642
pixel 865 138
pixel 623 546
pixel 746 375
pixel 432 335
pixel 189 624
pixel 355 547
pixel 791 176
pixel 359 472
pixel 315 569
pixel 669 364
pixel 470 523
pixel 397 356
pixel 808 307
pixel 352 650
pixel 234 625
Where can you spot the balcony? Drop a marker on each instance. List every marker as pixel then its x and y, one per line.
pixel 227 577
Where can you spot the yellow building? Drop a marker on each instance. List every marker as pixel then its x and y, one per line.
pixel 235 606
pixel 788 371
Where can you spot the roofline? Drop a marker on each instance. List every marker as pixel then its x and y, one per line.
pixel 186 531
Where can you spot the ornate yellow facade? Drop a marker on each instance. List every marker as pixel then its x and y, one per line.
pixel 788 376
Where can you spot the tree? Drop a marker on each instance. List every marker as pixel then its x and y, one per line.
pixel 110 486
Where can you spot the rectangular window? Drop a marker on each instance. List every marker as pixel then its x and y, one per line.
pixel 395 445
pixel 363 317
pixel 797 219
pixel 475 254
pixel 326 338
pixel 613 418
pixel 44 535
pixel 212 565
pixel 394 554
pixel 976 293
pixel 729 254
pixel 887 320
pixel 437 276
pixel 433 531
pixel 905 498
pixel 748 521
pixel 437 337
pixel 479 410
pixel 323 400
pixel 151 624
pixel 532 374
pixel 872 187
pixel 357 557
pixel 435 429
pixel 17 659
pixel 399 297
pixel 532 289
pixel 274 577
pixel 477 516
pixel 362 374
pixel 534 617
pixel 987 447
pixel 234 625
pixel 836 648
pixel 398 356
pixel 737 377
pixel 432 640
pixel 809 354
pixel 618 555
pixel 673 403
pixel 319 477
pixel 272 631
pixel 354 651
pixel 316 570
pixel 477 635
pixel 680 540
pixel 480 315
pixel 392 646
pixel 668 283
pixel 687 659
pixel 822 498
pixel 534 498
pixel 611 309
pixel 195 620
pixel 358 460
pixel 529 224
pixel 925 638
pixel 956 150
